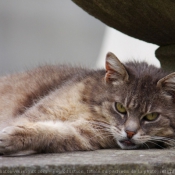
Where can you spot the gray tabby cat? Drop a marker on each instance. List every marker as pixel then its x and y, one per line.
pixel 61 108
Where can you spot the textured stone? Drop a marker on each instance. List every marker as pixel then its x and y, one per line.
pixel 148 162
pixel 166 56
pixel 148 20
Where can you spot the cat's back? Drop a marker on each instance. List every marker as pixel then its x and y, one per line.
pixel 21 90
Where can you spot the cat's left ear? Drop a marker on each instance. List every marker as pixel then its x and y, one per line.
pixel 115 70
pixel 167 83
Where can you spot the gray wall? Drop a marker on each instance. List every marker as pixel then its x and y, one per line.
pixel 34 32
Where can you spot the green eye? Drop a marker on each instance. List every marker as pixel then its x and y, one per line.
pixel 151 116
pixel 120 108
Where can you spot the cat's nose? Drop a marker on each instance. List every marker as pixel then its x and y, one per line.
pixel 130 134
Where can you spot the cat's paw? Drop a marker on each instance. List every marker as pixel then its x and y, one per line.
pixel 10 140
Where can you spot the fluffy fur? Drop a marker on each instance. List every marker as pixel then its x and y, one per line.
pixel 62 108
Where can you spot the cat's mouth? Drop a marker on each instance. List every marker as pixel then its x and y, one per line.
pixel 127 144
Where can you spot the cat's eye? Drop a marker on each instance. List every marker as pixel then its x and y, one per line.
pixel 120 108
pixel 151 117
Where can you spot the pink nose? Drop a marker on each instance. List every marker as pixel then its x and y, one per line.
pixel 130 134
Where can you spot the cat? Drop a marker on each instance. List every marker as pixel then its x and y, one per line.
pixel 54 109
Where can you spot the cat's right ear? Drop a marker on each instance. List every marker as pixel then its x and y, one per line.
pixel 167 83
pixel 115 70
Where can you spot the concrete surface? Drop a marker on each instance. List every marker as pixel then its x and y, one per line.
pixel 125 162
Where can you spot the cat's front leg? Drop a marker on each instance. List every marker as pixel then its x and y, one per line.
pixel 14 139
pixel 48 136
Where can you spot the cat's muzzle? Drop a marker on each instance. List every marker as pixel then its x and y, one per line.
pixel 127 144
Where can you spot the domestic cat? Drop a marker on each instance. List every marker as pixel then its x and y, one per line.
pixel 55 109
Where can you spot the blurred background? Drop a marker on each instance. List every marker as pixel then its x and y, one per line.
pixel 34 32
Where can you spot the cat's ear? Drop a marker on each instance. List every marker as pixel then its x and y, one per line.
pixel 115 70
pixel 167 83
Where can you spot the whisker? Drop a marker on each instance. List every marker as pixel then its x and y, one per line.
pixel 106 129
pixel 168 141
pixel 164 142
pixel 156 144
pixel 146 145
pixel 102 136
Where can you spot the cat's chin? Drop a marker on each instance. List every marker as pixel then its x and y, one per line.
pixel 127 144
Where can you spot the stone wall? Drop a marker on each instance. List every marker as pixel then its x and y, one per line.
pixel 148 20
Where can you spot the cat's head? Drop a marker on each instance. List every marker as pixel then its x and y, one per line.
pixel 139 103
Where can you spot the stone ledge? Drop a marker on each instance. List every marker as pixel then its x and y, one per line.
pixel 148 162
pixel 148 20
pixel 166 56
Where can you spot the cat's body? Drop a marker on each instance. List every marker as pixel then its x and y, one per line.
pixel 61 108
